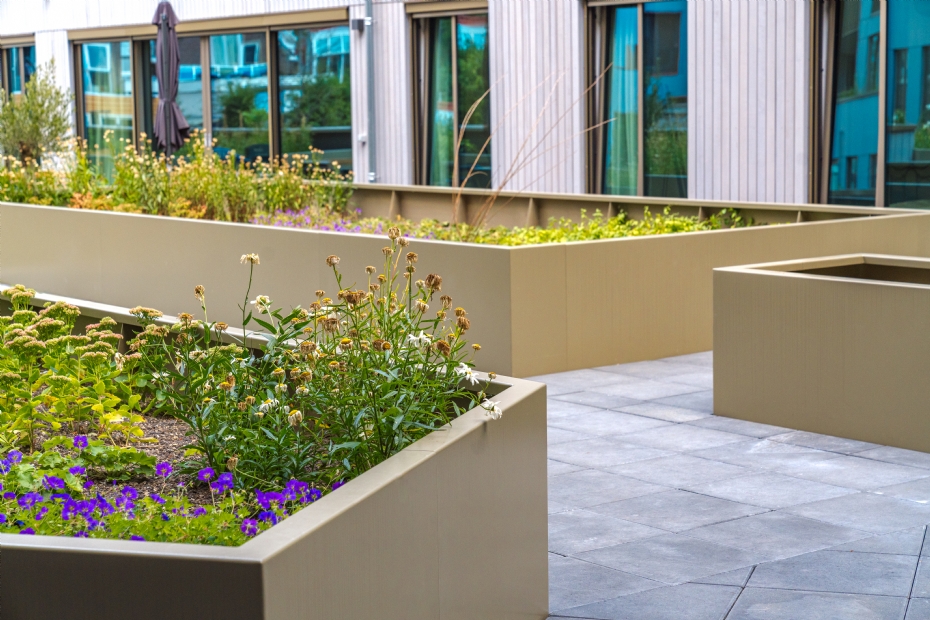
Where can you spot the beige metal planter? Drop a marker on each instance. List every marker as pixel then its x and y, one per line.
pixel 837 345
pixel 534 309
pixel 452 527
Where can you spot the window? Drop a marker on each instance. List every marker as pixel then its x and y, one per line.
pixel 19 64
pixel 107 102
pixel 852 164
pixel 239 95
pixel 453 102
pixel 900 87
pixel 190 85
pixel 639 107
pixel 871 73
pixel 925 85
pixel 314 93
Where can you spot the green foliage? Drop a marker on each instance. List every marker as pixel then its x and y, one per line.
pixel 35 122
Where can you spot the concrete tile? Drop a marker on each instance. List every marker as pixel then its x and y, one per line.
pixel 664 412
pixel 705 358
pixel 880 574
pixel 556 435
pixel 922 580
pixel 603 423
pixel 866 511
pixel 645 389
pixel 823 442
pixel 590 487
pixel 557 468
pixel 764 454
pixel 915 491
pixel 918 609
pixel 555 507
pixel 898 456
pixel 699 401
pixel 558 390
pixel 761 604
pixel 740 427
pixel 656 370
pixel 558 408
pixel 704 379
pixel 578 379
pixel 776 534
pixel 689 601
pixel 595 399
pixel 575 531
pixel 682 438
pixel 737 577
pixel 573 582
pixel 904 542
pixel 680 470
pixel 769 490
pixel 676 511
pixel 602 452
pixel 672 558
pixel 855 472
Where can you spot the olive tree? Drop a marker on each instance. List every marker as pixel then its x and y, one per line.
pixel 34 122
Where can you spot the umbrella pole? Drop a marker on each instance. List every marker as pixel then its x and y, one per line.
pixel 165 67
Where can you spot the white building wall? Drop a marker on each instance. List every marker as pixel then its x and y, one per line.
pixel 748 98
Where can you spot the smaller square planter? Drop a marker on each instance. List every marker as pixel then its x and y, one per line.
pixel 452 527
pixel 837 345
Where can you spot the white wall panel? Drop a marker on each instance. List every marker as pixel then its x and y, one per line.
pixel 748 100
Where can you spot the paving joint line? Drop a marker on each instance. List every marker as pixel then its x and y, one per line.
pixel 741 590
pixel 910 594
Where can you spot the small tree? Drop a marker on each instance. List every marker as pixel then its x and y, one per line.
pixel 35 122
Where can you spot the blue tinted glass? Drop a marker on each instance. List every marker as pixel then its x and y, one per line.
pixel 621 162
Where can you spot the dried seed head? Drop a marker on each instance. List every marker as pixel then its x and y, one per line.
pixel 332 260
pixel 434 282
pixel 370 270
pixel 232 462
pixel 250 400
pixel 331 325
pixel 320 294
pixel 252 259
pixel 410 269
pixel 476 347
pixel 412 258
pixel 441 315
pixel 386 346
pixel 199 291
pixel 295 417
pixel 393 233
pixel 421 306
pixel 374 287
pixel 442 347
pixel 420 284
pixel 463 323
pixel 243 406
pixel 307 347
pixel 231 379
pixel 387 251
pixel 382 278
pixel 492 376
pixel 460 311
pixel 446 301
pixel 221 326
pixel 403 242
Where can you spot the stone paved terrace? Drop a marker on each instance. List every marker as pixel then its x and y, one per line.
pixel 659 510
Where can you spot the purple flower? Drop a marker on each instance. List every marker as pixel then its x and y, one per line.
pixel 28 531
pixel 165 517
pixel 105 507
pixel 42 512
pixel 223 483
pixel 93 524
pixel 4 466
pixel 315 494
pixel 9 495
pixel 53 482
pixel 158 499
pixel 206 474
pixel 77 470
pixel 28 500
pixel 337 484
pixel 130 492
pixel 136 537
pixel 268 515
pixel 265 499
pixel 2 518
pixel 69 509
pixel 88 484
pixel 82 534
pixel 80 442
pixel 15 456
pixel 163 469
pixel 296 490
pixel 249 527
pixel 199 511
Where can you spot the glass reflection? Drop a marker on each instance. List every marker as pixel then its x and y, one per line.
pixel 107 100
pixel 190 86
pixel 239 95
pixel 621 163
pixel 853 153
pixel 907 165
pixel 314 89
pixel 20 66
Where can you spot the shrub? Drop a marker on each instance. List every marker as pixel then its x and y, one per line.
pixel 36 121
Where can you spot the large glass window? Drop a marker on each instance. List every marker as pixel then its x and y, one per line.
pixel 107 103
pixel 640 113
pixel 19 65
pixel 190 85
pixel 314 93
pixel 239 94
pixel 455 113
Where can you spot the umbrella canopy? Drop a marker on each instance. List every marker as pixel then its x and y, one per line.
pixel 171 128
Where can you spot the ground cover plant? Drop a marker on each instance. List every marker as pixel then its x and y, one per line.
pixel 326 393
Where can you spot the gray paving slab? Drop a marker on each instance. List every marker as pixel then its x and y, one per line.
pixel 878 514
pixel 575 531
pixel 855 472
pixel 738 577
pixel 573 582
pixel 558 390
pixel 899 456
pixel 918 609
pixel 824 442
pixel 672 558
pixel 557 468
pixel 556 435
pixel 777 535
pixel 596 399
pixel 578 379
pixel 881 574
pixel 591 487
pixel 915 491
pixel 604 423
pixel 740 427
pixel 765 454
pixel 690 601
pixel 703 379
pixel 676 511
pixel 904 542
pixel 603 452
pixel 664 412
pixel 645 389
pixel 699 401
pixel 556 507
pixel 558 408
pixel 680 470
pixel 705 358
pixel 682 438
pixel 921 587
pixel 656 370
pixel 763 604
pixel 769 490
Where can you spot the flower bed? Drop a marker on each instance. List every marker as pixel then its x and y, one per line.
pixel 335 389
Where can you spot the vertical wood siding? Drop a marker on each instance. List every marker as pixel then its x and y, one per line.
pixel 748 100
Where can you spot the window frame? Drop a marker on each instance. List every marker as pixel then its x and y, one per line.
pixel 19 43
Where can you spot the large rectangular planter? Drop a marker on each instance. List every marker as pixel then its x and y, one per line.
pixel 534 309
pixel 837 345
pixel 452 527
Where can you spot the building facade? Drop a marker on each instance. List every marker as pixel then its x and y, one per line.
pixel 788 101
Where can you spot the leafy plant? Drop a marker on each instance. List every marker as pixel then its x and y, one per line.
pixel 35 122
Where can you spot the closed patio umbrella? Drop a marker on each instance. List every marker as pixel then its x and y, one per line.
pixel 171 128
